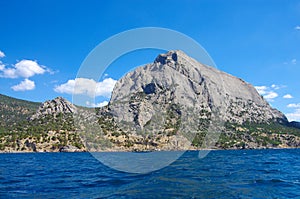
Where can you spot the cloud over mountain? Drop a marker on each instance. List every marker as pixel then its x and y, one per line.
pixel 87 87
pixel 267 92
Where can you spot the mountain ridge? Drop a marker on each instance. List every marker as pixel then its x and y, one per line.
pixel 173 103
pixel 18 108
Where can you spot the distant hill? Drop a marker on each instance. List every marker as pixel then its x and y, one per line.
pixel 14 110
pixel 295 124
pixel 30 126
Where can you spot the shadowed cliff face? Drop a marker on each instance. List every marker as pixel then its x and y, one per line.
pixel 175 79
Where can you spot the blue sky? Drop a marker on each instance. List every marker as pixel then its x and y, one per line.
pixel 43 43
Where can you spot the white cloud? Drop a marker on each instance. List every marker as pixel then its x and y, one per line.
pixel 268 92
pixel 104 103
pixel 295 116
pixel 87 86
pixel 24 68
pixel 297 28
pixel 2 66
pixel 66 87
pixel 101 104
pixel 292 61
pixel 2 54
pixel 105 87
pixel 25 85
pixel 276 87
pixel 271 95
pixel 261 89
pixel 293 105
pixel 287 96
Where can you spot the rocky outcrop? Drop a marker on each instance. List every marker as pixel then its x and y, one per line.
pixel 54 107
pixel 69 148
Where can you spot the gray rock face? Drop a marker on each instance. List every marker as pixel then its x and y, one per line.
pixel 54 107
pixel 177 79
pixel 69 148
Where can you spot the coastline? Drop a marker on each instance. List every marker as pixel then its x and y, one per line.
pixel 114 151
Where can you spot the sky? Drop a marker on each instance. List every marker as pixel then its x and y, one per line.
pixel 44 43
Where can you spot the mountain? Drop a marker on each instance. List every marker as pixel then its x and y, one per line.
pixel 174 103
pixel 179 103
pixel 178 79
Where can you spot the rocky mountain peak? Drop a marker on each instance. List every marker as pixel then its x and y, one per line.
pixel 175 78
pixel 173 56
pixel 54 107
pixel 169 57
pixel 177 60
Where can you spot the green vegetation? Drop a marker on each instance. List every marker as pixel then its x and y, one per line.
pixel 14 110
pixel 198 140
pixel 26 135
pixel 173 119
pixel 251 135
pixel 18 133
pixel 51 132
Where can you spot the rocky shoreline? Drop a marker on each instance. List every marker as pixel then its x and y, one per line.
pixel 111 151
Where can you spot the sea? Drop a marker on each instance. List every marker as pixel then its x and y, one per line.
pixel 268 173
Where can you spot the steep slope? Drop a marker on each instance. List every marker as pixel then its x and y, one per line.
pixel 190 83
pixel 14 110
pixel 179 103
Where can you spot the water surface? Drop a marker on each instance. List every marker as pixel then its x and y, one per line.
pixel 221 174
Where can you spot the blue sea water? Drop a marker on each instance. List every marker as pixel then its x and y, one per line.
pixel 221 174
